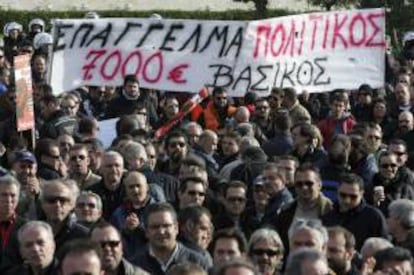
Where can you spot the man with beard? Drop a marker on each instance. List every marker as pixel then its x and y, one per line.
pixel 37 247
pixel 266 250
pixel 112 251
pixel 109 188
pixel 25 168
pixel 176 147
pixel 340 251
pixel 405 124
pixel 217 111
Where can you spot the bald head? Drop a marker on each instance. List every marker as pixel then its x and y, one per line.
pixel 242 114
pixel 406 121
pixel 208 141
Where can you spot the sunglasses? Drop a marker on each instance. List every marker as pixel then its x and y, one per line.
pixel 84 205
pixel 388 165
pixel 399 153
pixel 268 252
pixel 175 144
pixel 306 183
pixel 351 196
pixel 55 199
pixel 111 244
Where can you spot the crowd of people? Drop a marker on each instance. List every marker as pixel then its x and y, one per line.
pixel 292 183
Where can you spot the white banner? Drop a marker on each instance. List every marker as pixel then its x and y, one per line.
pixel 316 52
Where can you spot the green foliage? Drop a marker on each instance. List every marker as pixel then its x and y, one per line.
pixel 329 4
pixel 23 17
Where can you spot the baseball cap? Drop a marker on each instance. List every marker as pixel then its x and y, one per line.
pixel 258 181
pixel 25 156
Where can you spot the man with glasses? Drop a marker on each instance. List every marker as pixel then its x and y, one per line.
pixel 353 213
pixel 112 258
pixel 235 199
pixel 88 209
pixel 50 164
pixel 262 117
pixel 191 191
pixel 265 249
pixel 310 203
pixel 163 250
pixel 79 167
pixel 399 148
pixel 58 201
pixel 390 183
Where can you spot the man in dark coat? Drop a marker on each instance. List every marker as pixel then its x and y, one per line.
pixel 352 213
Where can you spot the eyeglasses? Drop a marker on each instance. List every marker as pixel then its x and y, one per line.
pixel 388 165
pixel 55 199
pixel 399 153
pixel 268 252
pixel 111 244
pixel 195 193
pixel 306 183
pixel 81 157
pixel 351 196
pixel 236 199
pixel 175 144
pixel 84 205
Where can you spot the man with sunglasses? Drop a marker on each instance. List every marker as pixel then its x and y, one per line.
pixel 265 249
pixel 112 259
pixel 390 183
pixel 79 167
pixel 353 213
pixel 58 201
pixel 310 203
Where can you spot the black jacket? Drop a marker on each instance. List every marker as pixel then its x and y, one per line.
pixel 10 254
pixel 401 187
pixel 183 254
pixel 70 231
pixel 364 222
pixel 58 124
pixel 25 269
pixel 110 199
